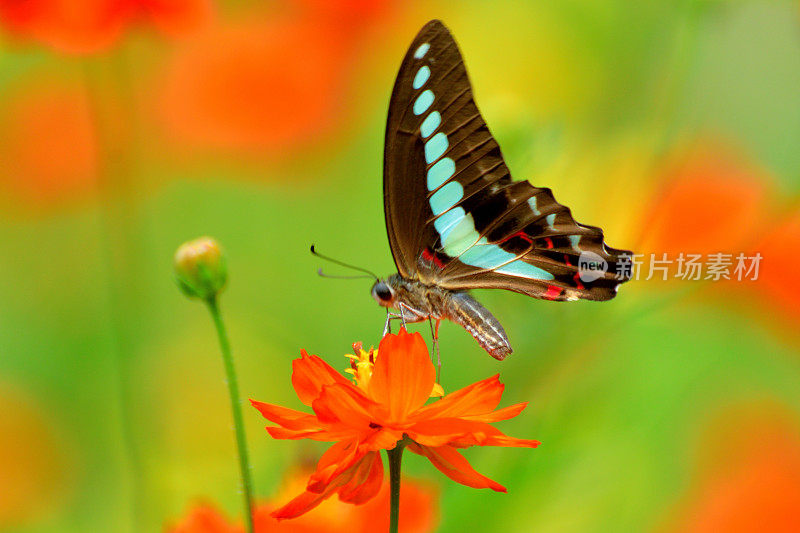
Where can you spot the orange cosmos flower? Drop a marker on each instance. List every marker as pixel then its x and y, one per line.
pixel 418 514
pixel 384 406
pixel 741 488
pixel 713 201
pixel 205 519
pixel 258 86
pixel 87 26
pixel 50 115
pixel 781 251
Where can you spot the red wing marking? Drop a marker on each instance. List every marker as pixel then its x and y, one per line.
pixel 549 242
pixel 552 293
pixel 522 235
pixel 430 257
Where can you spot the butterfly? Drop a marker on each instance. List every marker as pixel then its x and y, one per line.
pixel 457 221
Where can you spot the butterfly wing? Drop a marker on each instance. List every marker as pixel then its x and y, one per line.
pixel 454 216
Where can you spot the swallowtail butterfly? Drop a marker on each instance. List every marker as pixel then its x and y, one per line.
pixel 455 218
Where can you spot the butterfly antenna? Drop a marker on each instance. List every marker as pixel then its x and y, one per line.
pixel 341 263
pixel 360 276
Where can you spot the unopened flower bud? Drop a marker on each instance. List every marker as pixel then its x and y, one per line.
pixel 200 268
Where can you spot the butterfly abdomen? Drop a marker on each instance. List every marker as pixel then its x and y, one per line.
pixel 417 302
pixel 466 311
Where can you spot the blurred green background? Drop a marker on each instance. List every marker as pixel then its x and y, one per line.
pixel 128 127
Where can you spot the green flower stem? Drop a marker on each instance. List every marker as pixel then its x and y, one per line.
pixel 236 406
pixel 395 459
pixel 106 83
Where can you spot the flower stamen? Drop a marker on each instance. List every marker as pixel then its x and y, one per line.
pixel 362 364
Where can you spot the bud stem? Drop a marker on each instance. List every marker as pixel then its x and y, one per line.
pixel 236 407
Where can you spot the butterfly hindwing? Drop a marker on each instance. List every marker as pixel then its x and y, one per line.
pixel 454 215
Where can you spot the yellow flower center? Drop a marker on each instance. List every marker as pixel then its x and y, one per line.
pixel 362 364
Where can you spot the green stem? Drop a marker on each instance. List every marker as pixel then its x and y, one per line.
pixel 395 459
pixel 119 225
pixel 236 407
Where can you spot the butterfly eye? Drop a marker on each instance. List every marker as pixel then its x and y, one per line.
pixel 381 292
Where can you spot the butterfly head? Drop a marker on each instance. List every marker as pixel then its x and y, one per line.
pixel 383 293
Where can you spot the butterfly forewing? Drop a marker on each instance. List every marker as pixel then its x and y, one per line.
pixel 454 215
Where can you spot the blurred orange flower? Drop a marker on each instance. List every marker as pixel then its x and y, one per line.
pixel 418 514
pixel 36 465
pixel 205 519
pixel 362 420
pixel 716 201
pixel 752 485
pixel 713 202
pixel 87 26
pixel 259 86
pixel 781 257
pixel 352 16
pixel 53 117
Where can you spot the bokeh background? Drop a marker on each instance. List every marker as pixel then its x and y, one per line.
pixel 129 126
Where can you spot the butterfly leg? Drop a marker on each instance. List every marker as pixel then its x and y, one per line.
pixel 387 327
pixel 402 308
pixel 407 315
pixel 435 335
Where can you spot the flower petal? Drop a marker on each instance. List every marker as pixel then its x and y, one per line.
pixel 366 482
pixel 438 432
pixel 310 499
pixel 336 459
pixel 461 433
pixel 343 404
pixel 501 414
pixel 382 439
pixel 476 399
pixel 452 464
pixel 320 435
pixel 403 376
pixel 288 418
pixel 505 440
pixel 310 374
pixel 494 440
pixel 293 434
pixel 302 504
